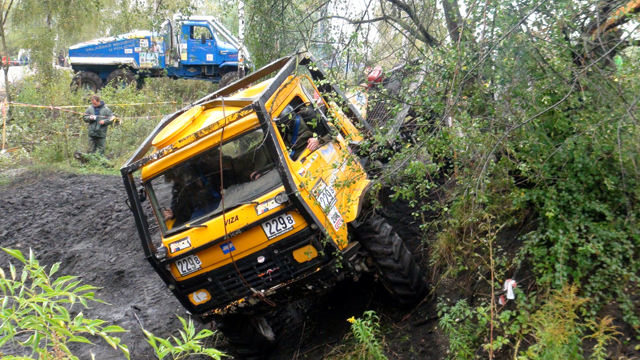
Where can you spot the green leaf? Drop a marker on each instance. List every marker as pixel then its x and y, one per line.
pixel 113 329
pixel 12 269
pixel 80 339
pixel 78 319
pixel 54 269
pixel 16 254
pixel 125 350
pixel 165 343
pixel 71 286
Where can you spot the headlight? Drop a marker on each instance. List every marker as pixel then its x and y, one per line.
pixel 161 253
pixel 282 198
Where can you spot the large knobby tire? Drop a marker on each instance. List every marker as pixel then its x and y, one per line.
pixel 251 337
pixel 227 79
pixel 398 272
pixel 120 78
pixel 88 81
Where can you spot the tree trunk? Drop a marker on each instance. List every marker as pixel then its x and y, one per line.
pixel 5 66
pixel 241 39
pixel 453 18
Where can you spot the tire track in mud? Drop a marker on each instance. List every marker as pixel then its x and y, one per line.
pixel 82 222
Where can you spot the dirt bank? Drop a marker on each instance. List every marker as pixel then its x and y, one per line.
pixel 84 223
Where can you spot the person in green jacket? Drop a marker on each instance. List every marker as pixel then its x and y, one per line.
pixel 99 117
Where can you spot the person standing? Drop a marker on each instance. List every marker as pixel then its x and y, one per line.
pixel 99 117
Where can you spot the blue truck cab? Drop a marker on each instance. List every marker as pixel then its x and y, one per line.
pixel 196 47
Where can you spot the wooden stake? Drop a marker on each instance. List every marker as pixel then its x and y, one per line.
pixel 4 124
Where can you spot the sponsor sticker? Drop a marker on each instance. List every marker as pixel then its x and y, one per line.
pixel 199 297
pixel 136 49
pixel 335 218
pixel 227 247
pixel 303 170
pixel 325 194
pixel 128 51
pixel 209 57
pixel 266 206
pixel 180 245
pixel 327 152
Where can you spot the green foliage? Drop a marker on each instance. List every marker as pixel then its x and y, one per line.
pixel 189 343
pixel 367 331
pixel 556 328
pixel 604 333
pixel 34 311
pixel 464 326
pixel 53 136
pixel 44 23
pixel 551 324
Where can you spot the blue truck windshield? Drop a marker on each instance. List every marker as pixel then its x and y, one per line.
pixel 191 192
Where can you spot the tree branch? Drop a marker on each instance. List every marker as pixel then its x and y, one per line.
pixel 386 18
pixel 6 13
pixel 428 39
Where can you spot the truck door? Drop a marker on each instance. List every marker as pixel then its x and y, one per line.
pixel 200 45
pixel 171 51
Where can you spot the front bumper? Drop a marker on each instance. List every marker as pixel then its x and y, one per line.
pixel 229 290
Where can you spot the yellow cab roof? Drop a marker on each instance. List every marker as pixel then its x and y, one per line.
pixel 197 118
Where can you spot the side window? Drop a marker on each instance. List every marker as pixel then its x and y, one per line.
pixel 197 32
pixel 298 123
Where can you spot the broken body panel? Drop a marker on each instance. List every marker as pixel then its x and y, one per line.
pixel 283 228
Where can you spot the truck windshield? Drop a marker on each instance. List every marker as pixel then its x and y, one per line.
pixel 191 191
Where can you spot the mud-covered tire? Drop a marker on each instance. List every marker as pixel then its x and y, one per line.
pixel 398 272
pixel 227 79
pixel 121 78
pixel 250 337
pixel 87 80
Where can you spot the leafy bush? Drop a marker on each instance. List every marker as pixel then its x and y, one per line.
pixel 34 311
pixel 367 331
pixel 550 324
pixel 189 343
pixel 464 326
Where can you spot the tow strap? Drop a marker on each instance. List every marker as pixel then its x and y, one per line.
pixel 294 138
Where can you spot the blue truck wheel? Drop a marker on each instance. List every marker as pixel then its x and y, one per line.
pixel 227 79
pixel 120 78
pixel 86 80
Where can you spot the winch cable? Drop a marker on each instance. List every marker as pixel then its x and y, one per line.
pixel 224 219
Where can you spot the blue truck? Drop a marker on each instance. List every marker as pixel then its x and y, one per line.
pixel 194 47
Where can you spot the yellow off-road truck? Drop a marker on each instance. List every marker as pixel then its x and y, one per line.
pixel 260 200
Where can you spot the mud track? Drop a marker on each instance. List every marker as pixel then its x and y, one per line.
pixel 83 223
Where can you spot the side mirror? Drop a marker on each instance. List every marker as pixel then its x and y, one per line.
pixel 203 39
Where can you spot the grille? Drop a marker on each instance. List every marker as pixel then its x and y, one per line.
pixel 279 266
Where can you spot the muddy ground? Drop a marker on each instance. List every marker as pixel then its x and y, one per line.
pixel 83 223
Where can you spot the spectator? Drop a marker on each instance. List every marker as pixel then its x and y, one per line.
pixel 99 117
